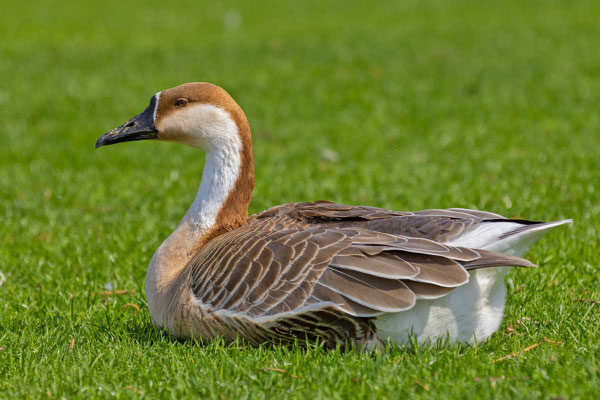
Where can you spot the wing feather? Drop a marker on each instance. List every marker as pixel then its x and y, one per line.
pixel 371 291
pixel 491 259
pixel 440 271
pixel 383 265
pixel 324 294
pixel 427 291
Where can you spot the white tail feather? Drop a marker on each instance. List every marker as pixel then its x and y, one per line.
pixel 507 237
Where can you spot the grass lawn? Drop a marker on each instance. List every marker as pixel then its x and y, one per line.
pixel 404 105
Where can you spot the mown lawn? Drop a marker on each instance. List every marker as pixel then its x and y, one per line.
pixel 404 105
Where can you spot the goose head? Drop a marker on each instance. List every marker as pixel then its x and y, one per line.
pixel 198 114
pixel 201 115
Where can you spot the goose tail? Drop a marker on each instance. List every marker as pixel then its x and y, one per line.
pixel 507 236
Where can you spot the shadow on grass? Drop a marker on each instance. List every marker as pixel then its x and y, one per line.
pixel 143 332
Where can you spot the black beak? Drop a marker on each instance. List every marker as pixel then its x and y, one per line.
pixel 140 127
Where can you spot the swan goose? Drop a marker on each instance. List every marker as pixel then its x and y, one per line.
pixel 339 273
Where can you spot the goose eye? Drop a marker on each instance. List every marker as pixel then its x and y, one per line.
pixel 181 103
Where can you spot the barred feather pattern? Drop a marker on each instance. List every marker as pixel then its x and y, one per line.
pixel 321 270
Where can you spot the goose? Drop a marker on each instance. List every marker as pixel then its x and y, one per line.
pixel 314 271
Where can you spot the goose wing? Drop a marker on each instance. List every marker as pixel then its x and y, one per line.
pixel 302 257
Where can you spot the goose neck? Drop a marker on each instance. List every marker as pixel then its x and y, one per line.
pixel 220 205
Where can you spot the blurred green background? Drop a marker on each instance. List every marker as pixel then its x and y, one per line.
pixel 404 105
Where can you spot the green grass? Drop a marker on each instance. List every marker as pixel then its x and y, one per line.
pixel 425 104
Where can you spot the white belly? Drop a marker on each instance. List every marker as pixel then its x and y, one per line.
pixel 468 314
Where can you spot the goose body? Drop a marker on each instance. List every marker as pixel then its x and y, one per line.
pixel 314 270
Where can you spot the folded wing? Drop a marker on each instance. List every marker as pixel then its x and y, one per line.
pixel 278 268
